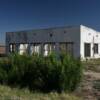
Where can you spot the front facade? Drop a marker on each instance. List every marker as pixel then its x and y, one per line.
pixel 90 43
pixel 79 41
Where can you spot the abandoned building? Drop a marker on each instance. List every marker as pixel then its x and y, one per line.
pixel 79 41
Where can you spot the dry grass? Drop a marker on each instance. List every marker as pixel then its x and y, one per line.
pixel 6 93
pixel 90 86
pixel 93 65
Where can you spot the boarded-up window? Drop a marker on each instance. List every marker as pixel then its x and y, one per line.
pixel 48 48
pixel 69 47
pixel 63 47
pixel 87 49
pixel 35 48
pixel 96 48
pixel 66 47
pixel 23 48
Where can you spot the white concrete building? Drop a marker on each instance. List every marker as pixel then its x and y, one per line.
pixel 79 41
pixel 90 43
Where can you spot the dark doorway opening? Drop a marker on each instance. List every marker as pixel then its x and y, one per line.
pixel 87 49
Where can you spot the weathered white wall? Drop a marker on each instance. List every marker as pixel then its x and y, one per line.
pixel 87 35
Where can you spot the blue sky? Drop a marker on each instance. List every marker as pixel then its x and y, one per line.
pixel 30 14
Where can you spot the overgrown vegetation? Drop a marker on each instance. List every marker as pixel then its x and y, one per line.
pixel 92 64
pixel 38 73
pixel 7 93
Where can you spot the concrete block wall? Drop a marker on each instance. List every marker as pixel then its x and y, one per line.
pixel 50 35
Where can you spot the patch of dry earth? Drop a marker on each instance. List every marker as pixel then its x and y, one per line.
pixel 86 89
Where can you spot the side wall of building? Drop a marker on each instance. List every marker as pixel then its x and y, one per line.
pixel 89 36
pixel 54 35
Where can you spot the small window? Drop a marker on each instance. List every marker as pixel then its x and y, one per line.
pixel 65 31
pixel 96 48
pixel 96 35
pixel 89 34
pixel 34 34
pixel 51 34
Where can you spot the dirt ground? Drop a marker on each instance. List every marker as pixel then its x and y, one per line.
pixel 90 86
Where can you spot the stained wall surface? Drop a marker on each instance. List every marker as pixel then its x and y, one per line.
pixel 50 35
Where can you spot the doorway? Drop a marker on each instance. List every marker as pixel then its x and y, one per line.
pixel 87 49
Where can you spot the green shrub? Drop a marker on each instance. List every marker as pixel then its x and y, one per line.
pixel 71 72
pixel 38 73
pixel 4 69
pixel 19 65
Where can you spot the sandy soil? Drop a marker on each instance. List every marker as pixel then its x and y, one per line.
pixel 90 86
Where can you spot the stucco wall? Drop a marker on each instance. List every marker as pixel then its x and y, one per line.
pixel 89 35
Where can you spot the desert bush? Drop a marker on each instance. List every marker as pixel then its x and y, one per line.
pixel 5 65
pixel 19 65
pixel 38 73
pixel 72 72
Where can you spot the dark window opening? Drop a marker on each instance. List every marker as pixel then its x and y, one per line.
pixel 95 48
pixel 51 34
pixel 65 31
pixel 87 49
